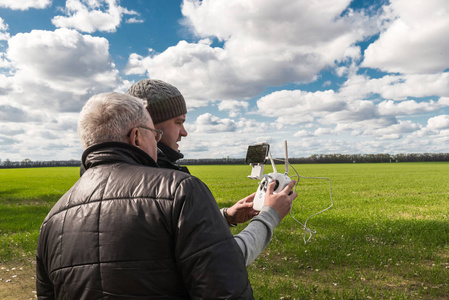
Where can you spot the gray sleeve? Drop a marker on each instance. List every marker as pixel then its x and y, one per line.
pixel 256 236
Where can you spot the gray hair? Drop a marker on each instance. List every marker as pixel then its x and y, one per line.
pixel 108 117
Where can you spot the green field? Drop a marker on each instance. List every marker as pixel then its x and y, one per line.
pixel 387 236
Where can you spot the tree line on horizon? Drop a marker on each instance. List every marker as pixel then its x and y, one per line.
pixel 334 158
pixel 313 159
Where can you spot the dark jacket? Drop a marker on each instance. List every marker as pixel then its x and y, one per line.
pixel 167 157
pixel 128 229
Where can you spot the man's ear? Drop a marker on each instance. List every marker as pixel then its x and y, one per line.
pixel 135 137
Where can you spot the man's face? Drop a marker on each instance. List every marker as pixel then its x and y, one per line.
pixel 173 131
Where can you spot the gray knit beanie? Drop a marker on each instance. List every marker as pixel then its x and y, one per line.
pixel 163 101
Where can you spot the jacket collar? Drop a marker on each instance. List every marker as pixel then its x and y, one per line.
pixel 114 152
pixel 171 154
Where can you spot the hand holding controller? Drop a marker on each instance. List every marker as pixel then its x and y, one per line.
pixel 281 180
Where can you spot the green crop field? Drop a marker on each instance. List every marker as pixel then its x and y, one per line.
pixel 386 237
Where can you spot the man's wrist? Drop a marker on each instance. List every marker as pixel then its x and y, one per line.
pixel 227 218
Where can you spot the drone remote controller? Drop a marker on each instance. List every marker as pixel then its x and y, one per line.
pixel 281 179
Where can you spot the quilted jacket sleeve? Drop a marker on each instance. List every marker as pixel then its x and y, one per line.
pixel 44 287
pixel 207 255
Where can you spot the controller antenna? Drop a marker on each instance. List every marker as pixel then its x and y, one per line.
pixel 272 162
pixel 286 157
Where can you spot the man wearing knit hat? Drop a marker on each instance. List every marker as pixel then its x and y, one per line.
pixel 167 108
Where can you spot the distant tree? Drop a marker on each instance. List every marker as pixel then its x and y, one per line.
pixel 26 162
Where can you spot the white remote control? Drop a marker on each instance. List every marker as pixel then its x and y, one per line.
pixel 281 181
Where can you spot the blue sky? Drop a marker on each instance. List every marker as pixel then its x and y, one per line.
pixel 330 76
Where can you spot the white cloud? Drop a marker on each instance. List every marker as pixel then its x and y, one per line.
pixel 266 43
pixel 209 146
pixel 25 4
pixel 356 111
pixel 50 73
pixel 410 107
pixel 134 21
pixel 295 107
pixel 59 70
pixel 4 63
pixel 4 34
pixel 443 101
pixel 342 113
pixel 11 129
pixel 302 133
pixel 251 126
pixel 5 143
pixel 233 107
pixel 9 113
pixel 323 131
pixel 39 141
pixel 395 131
pixel 421 134
pixel 211 136
pixel 210 123
pixel 294 118
pixel 302 23
pixel 92 15
pixel 396 87
pixel 415 41
pixel 196 69
pixel 438 122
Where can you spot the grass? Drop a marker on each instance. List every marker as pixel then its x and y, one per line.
pixel 387 236
pixel 26 196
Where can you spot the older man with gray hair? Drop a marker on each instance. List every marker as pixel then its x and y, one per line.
pixel 128 229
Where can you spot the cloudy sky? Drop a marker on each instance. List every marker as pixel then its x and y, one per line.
pixel 330 76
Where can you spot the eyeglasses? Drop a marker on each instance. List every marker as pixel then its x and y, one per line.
pixel 157 133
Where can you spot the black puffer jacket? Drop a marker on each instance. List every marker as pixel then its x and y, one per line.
pixel 167 157
pixel 130 230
